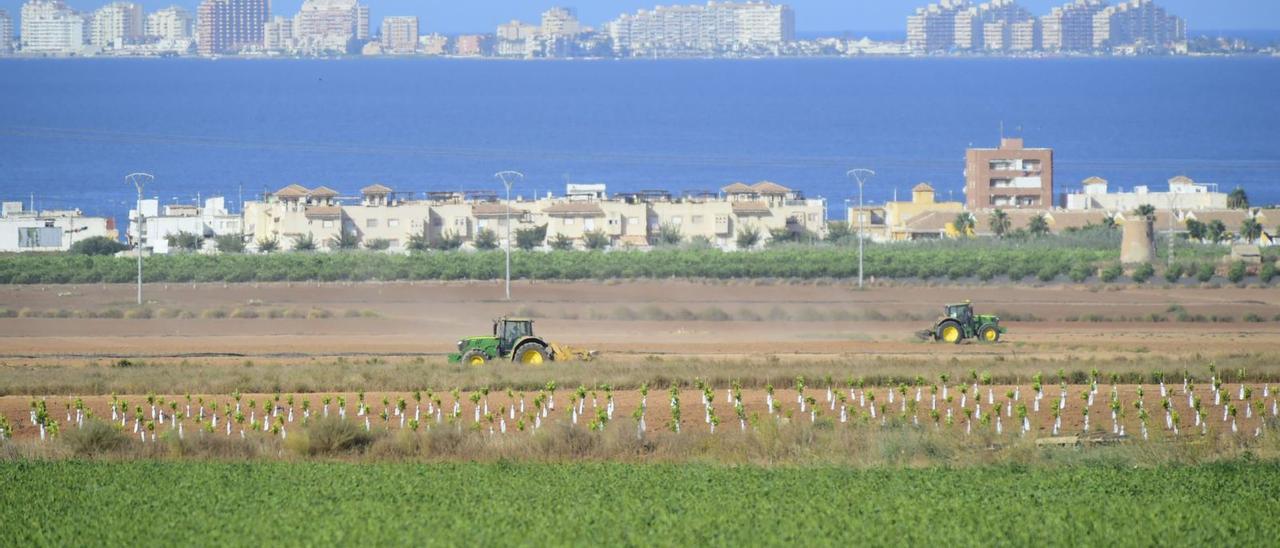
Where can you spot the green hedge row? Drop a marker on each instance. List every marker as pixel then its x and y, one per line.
pixel 952 261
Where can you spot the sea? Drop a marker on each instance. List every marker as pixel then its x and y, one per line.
pixel 71 130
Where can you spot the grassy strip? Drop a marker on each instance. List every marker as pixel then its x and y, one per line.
pixel 396 374
pixel 169 503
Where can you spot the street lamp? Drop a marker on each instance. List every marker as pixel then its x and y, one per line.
pixel 139 180
pixel 509 178
pixel 860 175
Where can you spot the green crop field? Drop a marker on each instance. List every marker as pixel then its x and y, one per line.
pixel 262 504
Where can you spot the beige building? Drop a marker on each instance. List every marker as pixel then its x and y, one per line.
pixel 893 221
pixel 629 221
pixel 1183 193
pixel 400 34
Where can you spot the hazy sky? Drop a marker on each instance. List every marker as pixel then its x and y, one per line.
pixel 453 16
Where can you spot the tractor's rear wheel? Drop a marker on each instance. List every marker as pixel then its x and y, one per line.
pixel 950 332
pixel 989 334
pixel 531 354
pixel 475 357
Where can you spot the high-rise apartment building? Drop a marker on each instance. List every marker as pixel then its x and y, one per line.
pixel 1137 22
pixel 277 34
pixel 934 27
pixel 50 27
pixel 116 24
pixel 331 24
pixel 560 22
pixel 703 29
pixel 400 34
pixel 1070 27
pixel 516 39
pixel 169 24
pixel 6 33
pixel 227 26
pixel 1011 176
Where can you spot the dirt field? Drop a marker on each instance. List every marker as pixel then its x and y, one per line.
pixel 647 317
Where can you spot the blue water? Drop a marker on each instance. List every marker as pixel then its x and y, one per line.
pixel 71 130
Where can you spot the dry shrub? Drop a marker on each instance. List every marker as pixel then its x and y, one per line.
pixel 214 314
pixel 137 314
pixel 330 436
pixel 319 314
pixel 244 314
pixel 95 438
pixel 351 313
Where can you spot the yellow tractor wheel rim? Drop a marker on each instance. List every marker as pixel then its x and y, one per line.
pixel 477 360
pixel 950 333
pixel 531 357
pixel 990 335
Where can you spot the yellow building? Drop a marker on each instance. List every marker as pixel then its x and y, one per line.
pixel 892 221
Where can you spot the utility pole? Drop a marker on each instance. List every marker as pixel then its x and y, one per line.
pixel 139 180
pixel 860 175
pixel 509 178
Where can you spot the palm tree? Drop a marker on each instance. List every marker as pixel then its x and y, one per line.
pixel 1146 211
pixel 1216 231
pixel 1039 225
pixel 1196 230
pixel 1109 221
pixel 1250 230
pixel 964 224
pixel 305 242
pixel 1238 199
pixel 344 240
pixel 1000 223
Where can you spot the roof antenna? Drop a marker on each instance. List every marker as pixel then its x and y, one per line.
pixel 1002 130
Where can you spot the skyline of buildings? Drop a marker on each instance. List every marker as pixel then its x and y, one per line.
pixel 751 28
pixel 1081 26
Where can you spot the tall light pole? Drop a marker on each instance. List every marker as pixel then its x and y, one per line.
pixel 139 180
pixel 509 178
pixel 860 175
pixel 1173 210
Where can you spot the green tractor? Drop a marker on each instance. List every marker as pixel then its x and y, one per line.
pixel 513 340
pixel 958 323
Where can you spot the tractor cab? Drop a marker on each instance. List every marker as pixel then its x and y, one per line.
pixel 962 312
pixel 509 331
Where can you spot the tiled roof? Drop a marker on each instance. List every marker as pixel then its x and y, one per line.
pixel 750 208
pixel 574 209
pixel 323 192
pixel 490 209
pixel 770 187
pixel 922 187
pixel 737 188
pixel 292 191
pixel 376 189
pixel 324 212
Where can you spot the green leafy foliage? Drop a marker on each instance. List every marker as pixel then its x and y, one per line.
pixel 382 504
pixel 269 245
pixel 1112 272
pixel 1143 273
pixel 344 240
pixel 97 245
pixel 185 241
pixel 305 242
pixel 448 241
pixel 530 238
pixel 561 243
pixel 595 240
pixel 669 234
pixel 230 243
pixel 377 244
pixel 1237 272
pixel 486 239
pixel 748 237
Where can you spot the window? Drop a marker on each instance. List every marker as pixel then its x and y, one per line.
pixel 589 224
pixel 1000 165
pixel 813 217
pixel 393 222
pixel 393 243
pixel 568 221
pixel 481 223
pixel 676 220
pixel 722 219
pixel 327 224
pixel 1031 165
pixel 633 220
pixel 460 221
pixel 696 219
pixel 371 223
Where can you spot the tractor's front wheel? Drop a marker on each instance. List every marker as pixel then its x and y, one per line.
pixel 950 332
pixel 989 334
pixel 531 354
pixel 475 357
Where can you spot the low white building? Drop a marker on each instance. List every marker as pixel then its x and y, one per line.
pixel 55 230
pixel 209 221
pixel 1183 194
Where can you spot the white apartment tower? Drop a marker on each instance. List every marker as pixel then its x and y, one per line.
pixel 1137 22
pixel 1070 27
pixel 50 27
pixel 400 34
pixel 706 28
pixel 6 33
pixel 277 34
pixel 170 24
pixel 934 27
pixel 560 22
pixel 330 23
pixel 116 25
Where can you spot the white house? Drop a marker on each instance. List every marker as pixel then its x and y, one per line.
pixel 209 221
pixel 52 230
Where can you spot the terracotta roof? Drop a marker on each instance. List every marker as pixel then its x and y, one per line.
pixel 737 188
pixel 323 192
pixel 376 189
pixel 489 209
pixel 922 187
pixel 750 208
pixel 1095 180
pixel 930 221
pixel 1233 218
pixel 574 209
pixel 292 191
pixel 1181 179
pixel 324 212
pixel 770 187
